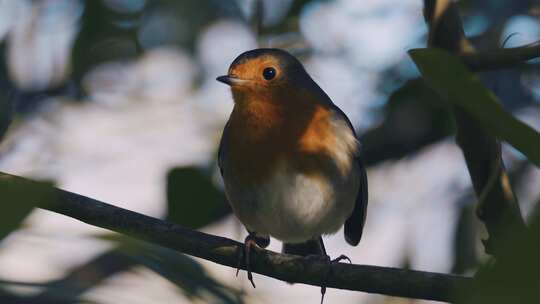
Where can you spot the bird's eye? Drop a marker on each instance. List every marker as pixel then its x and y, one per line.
pixel 269 73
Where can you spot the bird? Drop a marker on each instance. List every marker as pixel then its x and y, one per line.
pixel 289 158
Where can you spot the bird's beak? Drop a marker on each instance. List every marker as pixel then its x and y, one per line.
pixel 231 80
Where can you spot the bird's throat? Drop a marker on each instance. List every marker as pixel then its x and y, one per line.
pixel 257 121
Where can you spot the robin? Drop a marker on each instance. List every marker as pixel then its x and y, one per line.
pixel 289 158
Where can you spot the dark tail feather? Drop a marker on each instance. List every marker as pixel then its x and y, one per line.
pixel 311 247
pixel 355 223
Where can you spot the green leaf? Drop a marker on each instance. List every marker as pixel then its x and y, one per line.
pixel 18 199
pixel 513 277
pixel 447 75
pixel 193 199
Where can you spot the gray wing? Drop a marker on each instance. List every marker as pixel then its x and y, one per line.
pixel 354 225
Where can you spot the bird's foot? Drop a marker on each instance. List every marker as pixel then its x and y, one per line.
pixel 244 254
pixel 326 259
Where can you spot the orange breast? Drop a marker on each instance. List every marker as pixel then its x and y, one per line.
pixel 263 134
pixel 318 134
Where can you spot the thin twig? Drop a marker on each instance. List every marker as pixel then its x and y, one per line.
pixel 501 58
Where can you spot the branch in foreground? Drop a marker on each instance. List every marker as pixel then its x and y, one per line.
pixel 289 268
pixel 501 58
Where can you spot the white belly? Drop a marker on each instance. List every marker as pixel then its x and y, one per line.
pixel 295 207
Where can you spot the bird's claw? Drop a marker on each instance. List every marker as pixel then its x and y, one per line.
pixel 326 258
pixel 330 263
pixel 244 256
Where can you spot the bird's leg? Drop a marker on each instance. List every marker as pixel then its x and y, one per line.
pixel 251 240
pixel 330 263
pixel 326 258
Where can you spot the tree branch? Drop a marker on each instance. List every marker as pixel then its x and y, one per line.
pixel 288 268
pixel 498 207
pixel 501 58
pixel 446 32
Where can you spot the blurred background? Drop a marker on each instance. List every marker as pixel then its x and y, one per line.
pixel 117 100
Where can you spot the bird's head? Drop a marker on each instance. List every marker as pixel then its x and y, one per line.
pixel 266 73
